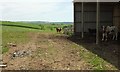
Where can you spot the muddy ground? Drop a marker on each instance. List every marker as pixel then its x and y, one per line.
pixel 48 52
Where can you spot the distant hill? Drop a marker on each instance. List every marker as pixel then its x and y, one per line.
pixel 34 22
pixel 40 22
pixel 62 22
pixel 45 22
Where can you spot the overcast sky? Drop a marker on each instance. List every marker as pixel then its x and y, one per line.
pixel 38 10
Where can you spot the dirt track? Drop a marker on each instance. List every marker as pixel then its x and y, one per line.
pixel 48 52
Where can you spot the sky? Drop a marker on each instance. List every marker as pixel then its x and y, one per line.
pixel 36 10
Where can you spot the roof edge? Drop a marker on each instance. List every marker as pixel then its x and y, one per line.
pixel 96 0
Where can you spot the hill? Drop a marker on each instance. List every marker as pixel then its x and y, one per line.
pixel 46 22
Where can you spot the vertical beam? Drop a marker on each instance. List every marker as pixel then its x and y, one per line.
pixel 82 17
pixel 74 18
pixel 97 22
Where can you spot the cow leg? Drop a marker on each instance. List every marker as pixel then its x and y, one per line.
pixel 59 30
pixel 56 29
pixel 103 36
pixel 113 37
pixel 106 37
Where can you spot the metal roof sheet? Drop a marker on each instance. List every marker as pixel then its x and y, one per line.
pixel 96 1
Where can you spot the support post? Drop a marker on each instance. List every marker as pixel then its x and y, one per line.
pixel 97 23
pixel 82 17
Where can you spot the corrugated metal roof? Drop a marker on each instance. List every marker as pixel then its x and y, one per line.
pixel 96 1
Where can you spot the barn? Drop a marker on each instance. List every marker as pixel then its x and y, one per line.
pixel 90 14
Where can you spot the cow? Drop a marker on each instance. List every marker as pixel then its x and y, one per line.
pixel 109 30
pixel 58 29
pixel 92 31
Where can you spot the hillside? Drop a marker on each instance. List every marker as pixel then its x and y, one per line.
pixel 46 22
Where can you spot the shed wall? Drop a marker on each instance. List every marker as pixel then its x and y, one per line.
pixel 106 16
pixel 116 16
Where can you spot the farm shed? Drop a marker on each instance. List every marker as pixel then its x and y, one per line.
pixel 92 14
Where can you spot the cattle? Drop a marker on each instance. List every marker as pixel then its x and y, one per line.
pixel 58 29
pixel 92 31
pixel 109 30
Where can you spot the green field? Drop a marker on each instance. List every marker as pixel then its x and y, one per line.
pixel 17 32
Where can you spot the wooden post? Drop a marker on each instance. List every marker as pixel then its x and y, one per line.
pixel 82 17
pixel 97 23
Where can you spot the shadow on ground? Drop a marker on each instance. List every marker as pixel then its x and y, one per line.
pixel 20 26
pixel 109 51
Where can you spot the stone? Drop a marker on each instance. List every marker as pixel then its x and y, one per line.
pixel 12 44
pixel 21 53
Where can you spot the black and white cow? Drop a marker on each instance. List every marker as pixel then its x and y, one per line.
pixel 109 30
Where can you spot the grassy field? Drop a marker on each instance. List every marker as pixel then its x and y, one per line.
pixel 52 50
pixel 17 32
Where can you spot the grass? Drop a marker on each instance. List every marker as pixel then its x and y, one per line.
pixel 96 62
pixel 18 32
pixel 18 26
pixel 5 49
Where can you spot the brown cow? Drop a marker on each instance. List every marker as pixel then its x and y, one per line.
pixel 58 29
